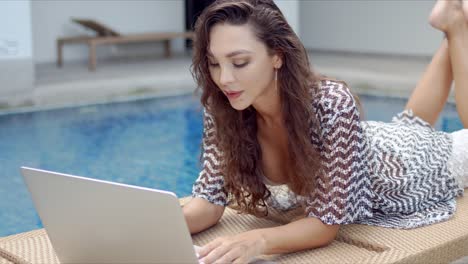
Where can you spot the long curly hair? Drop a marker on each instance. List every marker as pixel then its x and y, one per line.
pixel 237 130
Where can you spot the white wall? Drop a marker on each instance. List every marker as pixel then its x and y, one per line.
pixel 16 67
pixel 290 9
pixel 15 31
pixel 51 19
pixel 380 26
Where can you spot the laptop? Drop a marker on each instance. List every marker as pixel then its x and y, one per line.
pixel 95 221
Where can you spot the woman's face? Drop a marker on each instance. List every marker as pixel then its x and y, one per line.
pixel 240 65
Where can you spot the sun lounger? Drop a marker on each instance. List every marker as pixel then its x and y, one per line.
pixel 439 243
pixel 106 36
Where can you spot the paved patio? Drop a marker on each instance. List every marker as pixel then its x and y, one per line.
pixel 121 78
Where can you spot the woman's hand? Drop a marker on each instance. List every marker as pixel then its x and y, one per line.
pixel 239 248
pixel 305 233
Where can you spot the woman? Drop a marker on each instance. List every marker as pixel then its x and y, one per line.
pixel 278 134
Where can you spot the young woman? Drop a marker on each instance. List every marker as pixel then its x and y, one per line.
pixel 277 134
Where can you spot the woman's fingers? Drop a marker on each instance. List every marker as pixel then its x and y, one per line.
pixel 230 256
pixel 206 249
pixel 231 249
pixel 215 251
pixel 240 261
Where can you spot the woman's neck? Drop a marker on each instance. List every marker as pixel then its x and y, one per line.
pixel 269 110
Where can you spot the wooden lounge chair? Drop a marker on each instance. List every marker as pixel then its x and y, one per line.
pixel 106 35
pixel 439 243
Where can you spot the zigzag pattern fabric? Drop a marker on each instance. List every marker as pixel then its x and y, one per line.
pixel 343 188
pixel 210 182
pixel 410 174
pixel 386 174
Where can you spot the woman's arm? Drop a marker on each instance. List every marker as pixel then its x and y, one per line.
pixel 209 197
pixel 201 214
pixel 306 233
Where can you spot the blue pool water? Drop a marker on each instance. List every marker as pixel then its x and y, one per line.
pixel 152 143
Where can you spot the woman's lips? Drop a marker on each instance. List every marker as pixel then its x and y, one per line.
pixel 233 95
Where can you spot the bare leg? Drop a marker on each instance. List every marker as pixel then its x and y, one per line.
pixel 459 57
pixel 429 97
pixel 449 17
pixel 465 8
pixel 458 43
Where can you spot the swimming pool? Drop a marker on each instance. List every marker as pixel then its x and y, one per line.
pixel 152 143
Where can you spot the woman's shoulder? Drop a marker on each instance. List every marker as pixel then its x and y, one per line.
pixel 330 89
pixel 332 95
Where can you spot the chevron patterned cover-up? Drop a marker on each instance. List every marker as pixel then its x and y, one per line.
pixel 392 174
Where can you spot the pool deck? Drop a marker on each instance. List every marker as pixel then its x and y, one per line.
pixel 122 78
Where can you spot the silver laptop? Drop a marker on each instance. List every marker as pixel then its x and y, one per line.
pixel 95 221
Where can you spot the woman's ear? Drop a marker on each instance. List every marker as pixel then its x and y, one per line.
pixel 277 61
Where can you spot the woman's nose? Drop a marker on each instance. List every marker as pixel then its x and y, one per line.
pixel 226 76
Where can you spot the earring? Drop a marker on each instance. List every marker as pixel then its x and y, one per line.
pixel 276 79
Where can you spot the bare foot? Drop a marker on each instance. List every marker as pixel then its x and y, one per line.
pixel 447 13
pixel 465 9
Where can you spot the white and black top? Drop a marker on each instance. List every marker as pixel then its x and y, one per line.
pixel 386 174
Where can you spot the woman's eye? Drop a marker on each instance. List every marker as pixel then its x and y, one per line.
pixel 240 65
pixel 237 65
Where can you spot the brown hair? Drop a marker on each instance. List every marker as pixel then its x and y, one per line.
pixel 237 130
